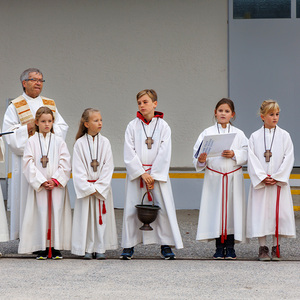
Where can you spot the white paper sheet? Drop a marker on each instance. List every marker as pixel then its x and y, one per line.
pixel 215 144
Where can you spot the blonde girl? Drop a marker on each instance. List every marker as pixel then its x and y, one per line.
pixel 94 226
pixel 270 162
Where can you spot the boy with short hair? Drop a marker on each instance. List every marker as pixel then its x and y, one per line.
pixel 147 155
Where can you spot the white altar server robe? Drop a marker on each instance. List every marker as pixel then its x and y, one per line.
pixel 88 235
pixel 261 213
pixel 16 142
pixel 4 236
pixel 33 236
pixel 165 227
pixel 210 214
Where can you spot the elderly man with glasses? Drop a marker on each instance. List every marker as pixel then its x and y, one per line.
pixel 19 118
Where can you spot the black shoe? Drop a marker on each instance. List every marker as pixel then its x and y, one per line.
pixel 88 256
pixel 42 255
pixel 219 253
pixel 127 253
pixel 166 252
pixel 230 253
pixel 56 254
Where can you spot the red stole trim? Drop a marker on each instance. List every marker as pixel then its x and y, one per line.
pixel 225 177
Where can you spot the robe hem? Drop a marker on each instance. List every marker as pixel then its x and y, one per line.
pixel 79 252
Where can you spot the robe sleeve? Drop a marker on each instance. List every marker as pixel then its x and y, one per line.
pixel 34 177
pixel 256 171
pixel 132 162
pixel 198 166
pixel 17 140
pixel 282 175
pixel 161 164
pixel 63 172
pixel 102 185
pixel 2 149
pixel 83 188
pixel 241 153
pixel 60 127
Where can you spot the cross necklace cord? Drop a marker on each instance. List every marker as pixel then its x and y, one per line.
pixel 221 125
pixel 268 153
pixel 94 163
pixel 149 140
pixel 44 160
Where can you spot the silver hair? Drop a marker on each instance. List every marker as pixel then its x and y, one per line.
pixel 25 74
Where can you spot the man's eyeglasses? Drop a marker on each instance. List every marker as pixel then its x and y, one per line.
pixel 35 80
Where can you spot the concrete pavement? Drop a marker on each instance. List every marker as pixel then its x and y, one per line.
pixel 194 275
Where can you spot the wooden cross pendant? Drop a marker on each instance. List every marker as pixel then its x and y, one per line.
pixel 44 161
pixel 267 155
pixel 94 165
pixel 149 141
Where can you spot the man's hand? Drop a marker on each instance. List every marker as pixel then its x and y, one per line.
pixel 31 127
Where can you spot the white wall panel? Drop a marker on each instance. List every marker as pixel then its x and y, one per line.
pixel 101 53
pixel 264 64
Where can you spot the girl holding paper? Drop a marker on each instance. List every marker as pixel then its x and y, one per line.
pixel 222 208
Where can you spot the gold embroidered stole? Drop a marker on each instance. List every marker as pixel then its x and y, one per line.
pixel 24 112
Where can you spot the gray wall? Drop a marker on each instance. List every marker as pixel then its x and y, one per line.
pixel 264 64
pixel 101 53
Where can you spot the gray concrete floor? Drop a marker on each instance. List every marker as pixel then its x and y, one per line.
pixel 187 219
pixel 194 275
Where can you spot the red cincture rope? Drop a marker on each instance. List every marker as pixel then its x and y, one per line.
pixel 225 177
pixel 103 206
pixel 142 182
pixel 49 222
pixel 277 220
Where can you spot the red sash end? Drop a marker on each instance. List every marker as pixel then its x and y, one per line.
pixel 50 252
pixel 103 208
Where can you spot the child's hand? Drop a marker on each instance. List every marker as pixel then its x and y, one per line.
pixel 269 181
pixel 228 153
pixel 45 185
pixel 49 185
pixel 148 180
pixel 150 186
pixel 202 158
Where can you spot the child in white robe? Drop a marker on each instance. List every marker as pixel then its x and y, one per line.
pixel 4 237
pixel 46 227
pixel 270 162
pixel 222 209
pixel 147 155
pixel 94 225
